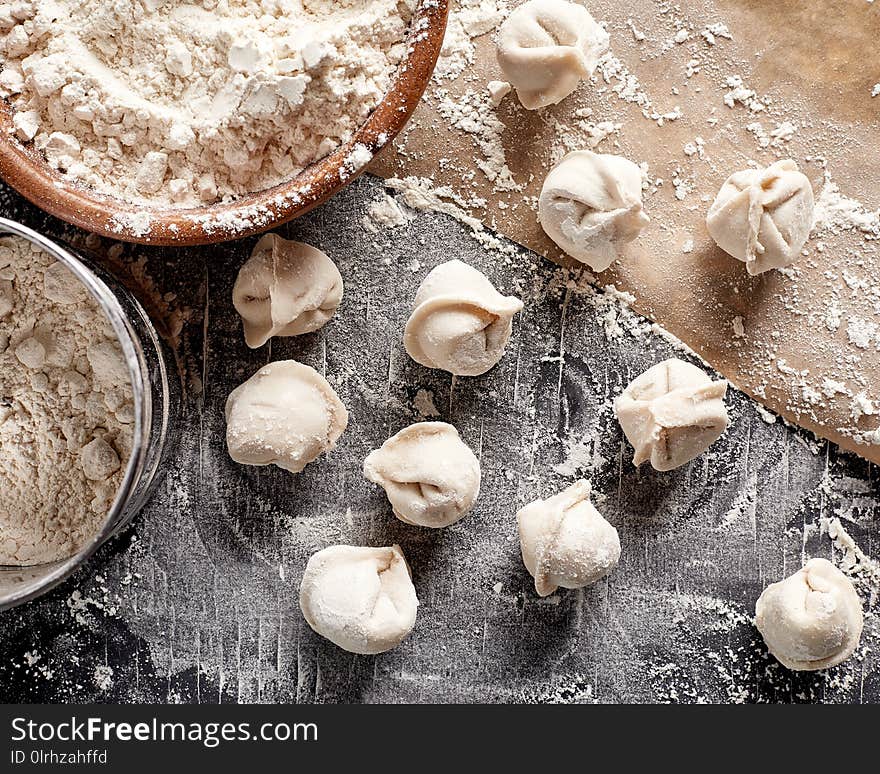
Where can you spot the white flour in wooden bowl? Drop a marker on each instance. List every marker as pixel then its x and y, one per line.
pixel 65 409
pixel 187 103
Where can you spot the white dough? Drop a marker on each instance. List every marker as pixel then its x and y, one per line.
pixel 812 619
pixel 591 206
pixel 460 322
pixel 763 216
pixel 545 48
pixel 361 599
pixel 286 414
pixel 565 541
pixel 284 289
pixel 431 477
pixel 672 413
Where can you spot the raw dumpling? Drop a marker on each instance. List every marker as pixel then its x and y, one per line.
pixel 812 619
pixel 565 541
pixel 545 48
pixel 284 289
pixel 431 477
pixel 361 599
pixel 672 413
pixel 763 216
pixel 591 206
pixel 459 323
pixel 286 415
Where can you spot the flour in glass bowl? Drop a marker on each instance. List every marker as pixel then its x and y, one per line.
pixel 186 103
pixel 66 412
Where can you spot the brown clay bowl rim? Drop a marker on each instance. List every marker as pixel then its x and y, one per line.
pixel 24 169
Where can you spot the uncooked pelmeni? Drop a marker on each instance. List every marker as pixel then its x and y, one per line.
pixel 459 323
pixel 672 413
pixel 286 414
pixel 545 48
pixel 763 216
pixel 565 541
pixel 361 599
pixel 591 206
pixel 284 289
pixel 431 477
pixel 812 619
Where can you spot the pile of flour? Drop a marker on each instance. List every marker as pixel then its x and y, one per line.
pixel 187 103
pixel 65 409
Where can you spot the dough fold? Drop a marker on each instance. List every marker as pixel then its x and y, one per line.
pixel 361 599
pixel 812 619
pixel 565 541
pixel 460 323
pixel 672 413
pixel 546 47
pixel 285 288
pixel 286 414
pixel 763 217
pixel 591 206
pixel 431 477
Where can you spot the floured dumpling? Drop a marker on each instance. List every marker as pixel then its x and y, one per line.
pixel 545 48
pixel 361 599
pixel 763 216
pixel 566 542
pixel 286 414
pixel 672 413
pixel 459 323
pixel 284 289
pixel 812 619
pixel 431 477
pixel 591 206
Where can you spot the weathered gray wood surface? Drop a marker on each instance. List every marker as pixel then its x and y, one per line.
pixel 198 601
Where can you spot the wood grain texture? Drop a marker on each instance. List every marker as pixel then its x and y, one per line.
pixel 198 601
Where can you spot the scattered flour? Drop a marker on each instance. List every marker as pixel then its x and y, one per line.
pixel 864 570
pixel 468 19
pixel 103 677
pixel 419 193
pixel 835 212
pixel 424 404
pixel 474 114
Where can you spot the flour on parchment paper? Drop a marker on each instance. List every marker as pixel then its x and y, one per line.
pixel 836 212
pixel 468 19
pixel 65 409
pixel 716 97
pixel 183 103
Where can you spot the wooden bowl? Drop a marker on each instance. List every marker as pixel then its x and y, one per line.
pixel 27 172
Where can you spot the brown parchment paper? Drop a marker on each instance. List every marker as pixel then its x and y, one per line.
pixel 814 63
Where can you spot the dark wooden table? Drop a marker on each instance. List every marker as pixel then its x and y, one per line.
pixel 197 602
